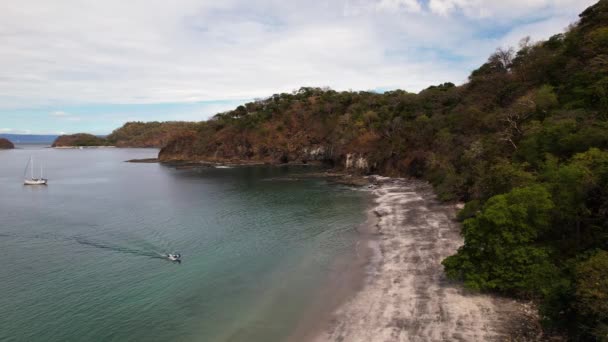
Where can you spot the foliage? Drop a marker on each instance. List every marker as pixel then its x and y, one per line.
pixel 501 251
pixel 592 294
pixel 79 139
pixel 148 134
pixel 470 209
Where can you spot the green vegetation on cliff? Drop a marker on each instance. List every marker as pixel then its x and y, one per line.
pixel 524 143
pixel 148 134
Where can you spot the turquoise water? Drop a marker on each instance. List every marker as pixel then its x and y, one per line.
pixel 81 257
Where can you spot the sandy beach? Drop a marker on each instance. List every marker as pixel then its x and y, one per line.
pixel 404 295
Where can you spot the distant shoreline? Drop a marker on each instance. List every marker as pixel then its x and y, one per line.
pixel 79 147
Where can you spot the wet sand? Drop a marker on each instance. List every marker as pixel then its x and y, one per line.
pixel 403 293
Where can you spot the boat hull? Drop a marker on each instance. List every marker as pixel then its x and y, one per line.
pixel 35 182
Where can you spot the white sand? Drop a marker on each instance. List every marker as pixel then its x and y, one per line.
pixel 406 296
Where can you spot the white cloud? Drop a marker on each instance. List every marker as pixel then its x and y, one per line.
pixel 70 52
pixel 14 131
pixel 443 7
pixel 510 9
pixel 61 115
pixel 395 5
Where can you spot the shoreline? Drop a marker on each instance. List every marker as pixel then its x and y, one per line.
pixel 80 147
pixel 344 280
pixel 395 288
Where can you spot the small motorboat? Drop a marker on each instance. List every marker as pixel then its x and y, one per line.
pixel 175 257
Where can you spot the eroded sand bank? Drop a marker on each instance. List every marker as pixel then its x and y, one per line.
pixel 405 295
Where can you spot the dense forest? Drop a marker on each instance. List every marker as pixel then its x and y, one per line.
pixel 523 142
pixel 147 134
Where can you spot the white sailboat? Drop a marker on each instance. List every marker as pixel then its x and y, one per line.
pixel 32 180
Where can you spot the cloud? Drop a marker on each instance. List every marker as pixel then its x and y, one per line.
pixel 443 7
pixel 507 10
pixel 14 131
pixel 67 53
pixel 396 5
pixel 61 115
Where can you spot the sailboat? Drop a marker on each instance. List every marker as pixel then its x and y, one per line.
pixel 32 180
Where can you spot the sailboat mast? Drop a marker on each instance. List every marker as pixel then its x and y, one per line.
pixel 32 167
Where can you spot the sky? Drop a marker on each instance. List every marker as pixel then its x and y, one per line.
pixel 70 66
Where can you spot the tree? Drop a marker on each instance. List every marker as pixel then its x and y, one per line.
pixel 503 58
pixel 502 177
pixel 592 295
pixel 545 100
pixel 499 251
pixel 514 118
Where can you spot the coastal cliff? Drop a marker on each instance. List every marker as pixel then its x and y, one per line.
pixel 6 144
pixel 524 142
pixel 248 149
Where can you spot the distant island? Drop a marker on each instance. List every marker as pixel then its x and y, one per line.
pixel 79 140
pixel 6 144
pixel 131 134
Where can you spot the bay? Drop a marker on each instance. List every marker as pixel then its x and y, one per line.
pixel 81 259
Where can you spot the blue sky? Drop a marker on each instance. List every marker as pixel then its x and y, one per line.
pixel 103 118
pixel 72 65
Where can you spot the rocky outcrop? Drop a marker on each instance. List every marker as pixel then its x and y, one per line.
pixel 356 162
pixel 6 144
pixel 317 153
pixel 186 148
pixel 180 148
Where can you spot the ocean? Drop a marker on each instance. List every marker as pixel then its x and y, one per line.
pixel 82 258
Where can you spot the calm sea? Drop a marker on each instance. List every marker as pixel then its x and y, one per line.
pixel 81 258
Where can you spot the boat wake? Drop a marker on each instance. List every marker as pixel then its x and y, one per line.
pixel 120 249
pixel 145 249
